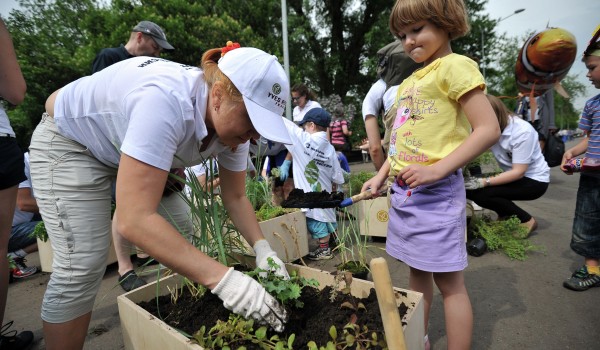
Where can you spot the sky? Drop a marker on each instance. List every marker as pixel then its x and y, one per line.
pixel 580 17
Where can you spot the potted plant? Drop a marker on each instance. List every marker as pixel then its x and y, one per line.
pixel 145 330
pixel 284 228
pixel 352 248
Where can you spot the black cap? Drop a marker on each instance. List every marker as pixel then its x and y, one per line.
pixel 318 116
pixel 156 32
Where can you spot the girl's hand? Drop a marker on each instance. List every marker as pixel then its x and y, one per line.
pixel 416 174
pixel 373 185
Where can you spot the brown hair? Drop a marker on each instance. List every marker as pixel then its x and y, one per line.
pixel 502 113
pixel 449 15
pixel 212 73
pixel 303 90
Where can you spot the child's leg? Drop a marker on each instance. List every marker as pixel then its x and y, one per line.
pixel 457 309
pixel 421 281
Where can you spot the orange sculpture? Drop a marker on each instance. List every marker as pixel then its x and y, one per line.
pixel 545 60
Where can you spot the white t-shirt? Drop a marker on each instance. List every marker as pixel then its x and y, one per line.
pixel 24 216
pixel 298 113
pixel 5 127
pixel 519 144
pixel 378 97
pixel 148 108
pixel 314 152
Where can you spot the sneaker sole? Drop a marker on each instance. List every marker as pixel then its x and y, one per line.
pixel 321 258
pixel 578 288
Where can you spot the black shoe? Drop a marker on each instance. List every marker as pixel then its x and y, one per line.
pixel 10 340
pixel 147 261
pixel 130 281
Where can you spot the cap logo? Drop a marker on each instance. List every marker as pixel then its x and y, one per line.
pixel 276 89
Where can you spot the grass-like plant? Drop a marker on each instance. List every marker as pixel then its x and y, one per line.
pixel 508 236
pixel 213 232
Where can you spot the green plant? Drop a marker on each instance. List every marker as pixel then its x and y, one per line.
pixel 353 336
pixel 352 247
pixel 509 236
pixel 237 330
pixel 356 180
pixel 487 164
pixel 40 232
pixel 287 291
pixel 213 233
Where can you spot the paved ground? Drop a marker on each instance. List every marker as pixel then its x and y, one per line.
pixel 517 305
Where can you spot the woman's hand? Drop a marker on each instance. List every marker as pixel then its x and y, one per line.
pixel 245 296
pixel 263 251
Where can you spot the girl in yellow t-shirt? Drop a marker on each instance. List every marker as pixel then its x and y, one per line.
pixel 438 106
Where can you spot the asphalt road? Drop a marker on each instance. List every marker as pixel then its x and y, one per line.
pixel 516 304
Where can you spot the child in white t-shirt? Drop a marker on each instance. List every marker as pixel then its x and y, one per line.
pixel 316 168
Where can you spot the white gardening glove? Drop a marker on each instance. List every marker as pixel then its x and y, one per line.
pixel 473 183
pixel 246 297
pixel 263 251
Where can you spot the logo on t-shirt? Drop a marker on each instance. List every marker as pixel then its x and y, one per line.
pixel 276 89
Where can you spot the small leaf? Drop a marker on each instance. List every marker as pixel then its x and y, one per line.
pixel 362 306
pixel 291 340
pixel 348 305
pixel 312 345
pixel 261 333
pixel 350 339
pixel 333 333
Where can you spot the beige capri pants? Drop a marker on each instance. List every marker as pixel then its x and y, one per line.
pixel 74 191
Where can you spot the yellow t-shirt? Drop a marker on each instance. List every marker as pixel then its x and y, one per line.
pixel 429 122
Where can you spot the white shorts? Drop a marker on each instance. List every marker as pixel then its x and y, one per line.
pixel 73 191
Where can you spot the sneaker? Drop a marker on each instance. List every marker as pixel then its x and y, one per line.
pixel 130 281
pixel 10 340
pixel 320 254
pixel 21 270
pixel 582 280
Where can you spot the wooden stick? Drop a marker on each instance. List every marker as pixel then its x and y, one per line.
pixel 390 316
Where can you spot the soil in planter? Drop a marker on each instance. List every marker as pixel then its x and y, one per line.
pixel 300 199
pixel 312 322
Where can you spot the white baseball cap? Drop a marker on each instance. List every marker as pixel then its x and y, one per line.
pixel 264 86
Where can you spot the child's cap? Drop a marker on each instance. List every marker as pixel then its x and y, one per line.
pixel 318 116
pixel 264 87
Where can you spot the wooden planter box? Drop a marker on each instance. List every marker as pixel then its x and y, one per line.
pixel 287 235
pixel 372 216
pixel 46 254
pixel 141 330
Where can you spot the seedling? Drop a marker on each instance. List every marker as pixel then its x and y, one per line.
pixel 287 291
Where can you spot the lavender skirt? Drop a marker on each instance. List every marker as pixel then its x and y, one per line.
pixel 426 228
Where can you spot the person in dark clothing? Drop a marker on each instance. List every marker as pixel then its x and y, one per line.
pixel 146 39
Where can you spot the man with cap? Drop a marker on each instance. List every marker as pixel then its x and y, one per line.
pixel 146 39
pixel 316 168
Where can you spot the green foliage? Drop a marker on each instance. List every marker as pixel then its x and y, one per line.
pixel 287 291
pixel 237 330
pixel 212 233
pixel 40 232
pixel 486 162
pixel 357 180
pixel 353 336
pixel 509 236
pixel 268 211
